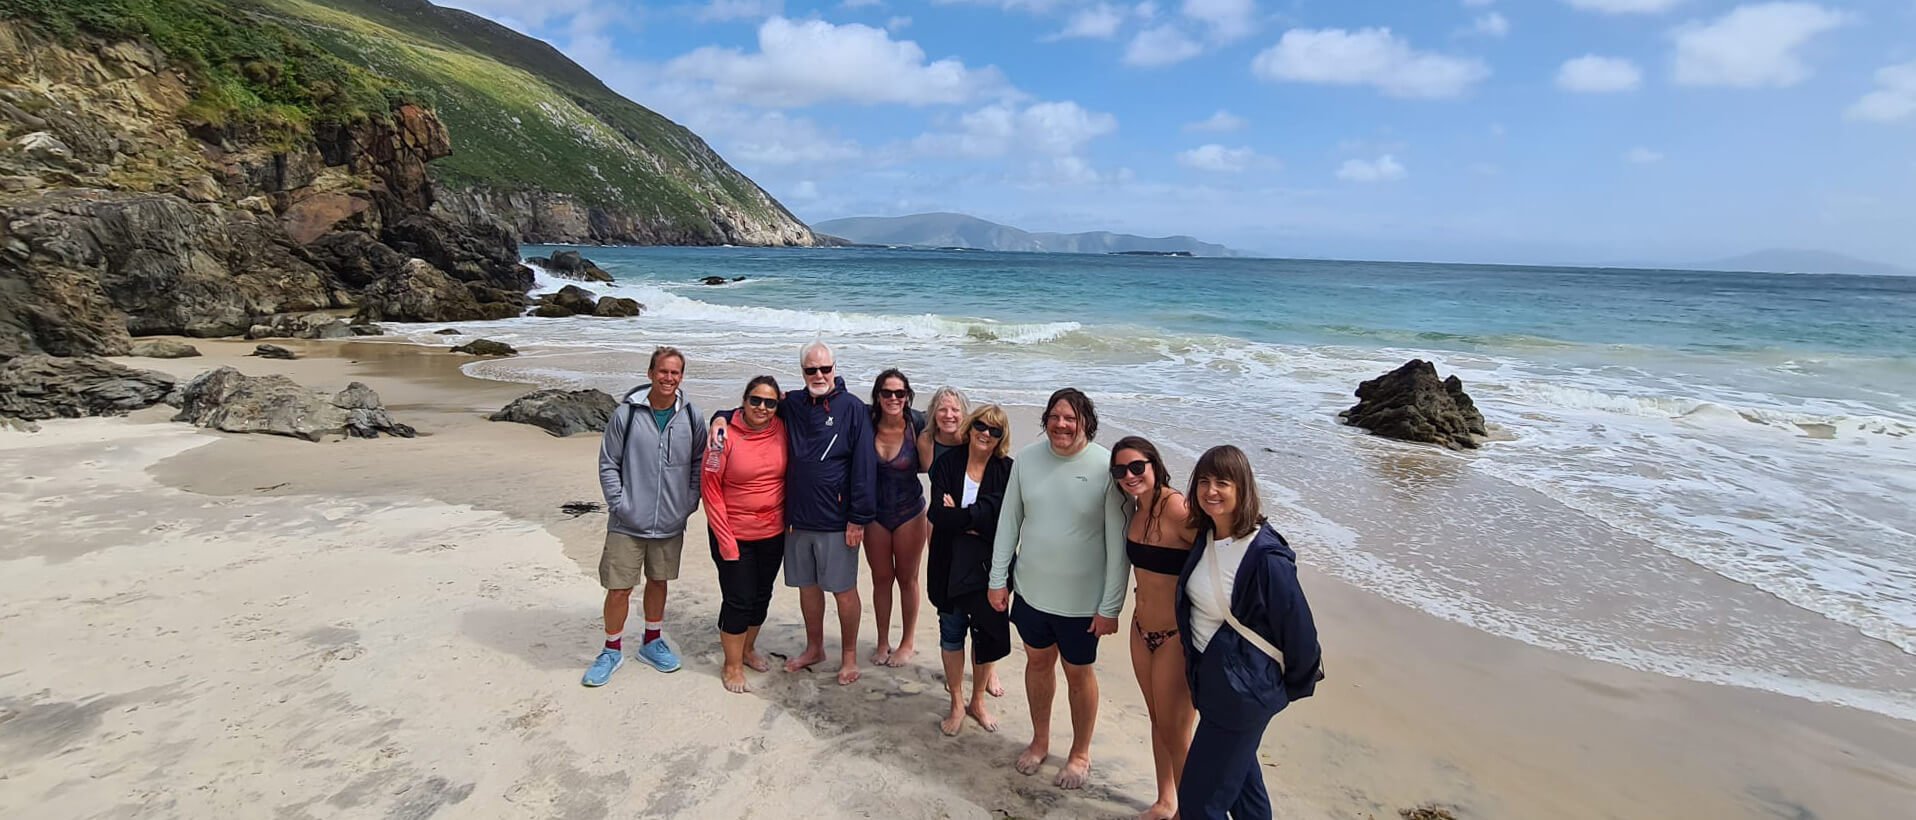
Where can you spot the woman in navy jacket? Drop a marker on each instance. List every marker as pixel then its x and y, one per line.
pixel 1250 646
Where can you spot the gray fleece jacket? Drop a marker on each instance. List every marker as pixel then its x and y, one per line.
pixel 651 478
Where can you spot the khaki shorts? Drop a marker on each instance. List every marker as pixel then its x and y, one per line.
pixel 628 559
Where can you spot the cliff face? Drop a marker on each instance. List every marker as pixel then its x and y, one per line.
pixel 124 210
pixel 550 217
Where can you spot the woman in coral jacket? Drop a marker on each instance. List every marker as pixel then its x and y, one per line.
pixel 1249 641
pixel 743 488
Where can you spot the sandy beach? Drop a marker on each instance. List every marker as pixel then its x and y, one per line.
pixel 200 624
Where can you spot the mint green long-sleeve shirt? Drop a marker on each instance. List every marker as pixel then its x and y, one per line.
pixel 1064 520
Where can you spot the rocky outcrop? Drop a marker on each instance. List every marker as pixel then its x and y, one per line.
pixel 561 412
pixel 163 349
pixel 617 306
pixel 300 326
pixel 273 352
pixel 225 399
pixel 1412 404
pixel 571 265
pixel 44 387
pixel 486 347
pixel 419 292
pixel 548 217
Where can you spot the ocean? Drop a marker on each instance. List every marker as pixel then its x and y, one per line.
pixel 1705 475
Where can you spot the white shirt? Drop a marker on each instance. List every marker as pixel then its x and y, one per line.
pixel 971 493
pixel 1208 603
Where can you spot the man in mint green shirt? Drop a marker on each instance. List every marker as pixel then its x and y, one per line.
pixel 1063 521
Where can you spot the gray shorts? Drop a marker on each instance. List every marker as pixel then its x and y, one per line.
pixel 820 559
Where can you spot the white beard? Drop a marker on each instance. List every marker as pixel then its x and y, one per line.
pixel 818 391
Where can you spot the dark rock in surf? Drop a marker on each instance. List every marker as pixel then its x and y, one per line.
pixel 1412 404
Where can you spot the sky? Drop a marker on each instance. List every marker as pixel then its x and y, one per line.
pixel 1521 131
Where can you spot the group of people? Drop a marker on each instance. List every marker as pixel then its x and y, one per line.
pixel 804 480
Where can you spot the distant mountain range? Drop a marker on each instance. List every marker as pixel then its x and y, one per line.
pixel 1784 260
pixel 946 230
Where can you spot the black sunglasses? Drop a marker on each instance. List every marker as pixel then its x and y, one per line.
pixel 813 371
pixel 1132 467
pixel 987 429
pixel 894 394
pixel 761 401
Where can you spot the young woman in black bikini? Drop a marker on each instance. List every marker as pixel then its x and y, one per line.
pixel 895 542
pixel 1157 539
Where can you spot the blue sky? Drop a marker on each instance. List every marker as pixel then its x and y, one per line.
pixel 1556 131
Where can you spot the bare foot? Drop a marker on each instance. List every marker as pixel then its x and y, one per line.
pixel 1076 772
pixel 882 655
pixel 993 687
pixel 984 718
pixel 757 662
pixel 806 660
pixel 848 671
pixel 1032 757
pixel 902 656
pixel 952 723
pixel 1160 810
pixel 734 678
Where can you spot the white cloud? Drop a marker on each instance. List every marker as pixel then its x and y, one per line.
pixel 1099 22
pixel 897 24
pixel 1491 25
pixel 771 138
pixel 1220 122
pixel 1626 6
pixel 801 63
pixel 1228 20
pixel 723 10
pixel 1752 46
pixel 1641 156
pixel 1894 98
pixel 1383 169
pixel 1160 46
pixel 1055 129
pixel 1222 159
pixel 1591 74
pixel 1372 56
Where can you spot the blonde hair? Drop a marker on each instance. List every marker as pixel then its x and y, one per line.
pixel 964 407
pixel 995 416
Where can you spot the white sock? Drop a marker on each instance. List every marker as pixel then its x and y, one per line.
pixel 659 626
pixel 614 636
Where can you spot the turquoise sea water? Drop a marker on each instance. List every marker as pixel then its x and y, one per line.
pixel 1707 474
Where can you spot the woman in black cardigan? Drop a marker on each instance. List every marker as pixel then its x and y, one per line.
pixel 967 489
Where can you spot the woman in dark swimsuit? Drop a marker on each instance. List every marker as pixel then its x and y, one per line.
pixel 943 433
pixel 1157 541
pixel 895 543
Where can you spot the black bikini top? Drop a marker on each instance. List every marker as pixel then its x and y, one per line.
pixel 1161 560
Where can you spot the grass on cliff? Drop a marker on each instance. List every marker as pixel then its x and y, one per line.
pixel 249 77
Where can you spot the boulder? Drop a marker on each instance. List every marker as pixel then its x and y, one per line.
pixel 366 330
pixel 273 352
pixel 713 280
pixel 44 387
pixel 228 400
pixel 446 331
pixel 573 298
pixel 313 325
pixel 419 292
pixel 571 265
pixel 617 306
pixel 738 278
pixel 561 412
pixel 164 349
pixel 1412 404
pixel 486 347
pixel 549 311
pixel 469 252
pixel 356 258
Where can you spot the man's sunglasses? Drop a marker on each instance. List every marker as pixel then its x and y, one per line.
pixel 823 368
pixel 988 429
pixel 761 401
pixel 1133 467
pixel 886 393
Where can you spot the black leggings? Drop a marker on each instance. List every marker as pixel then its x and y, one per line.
pixel 747 583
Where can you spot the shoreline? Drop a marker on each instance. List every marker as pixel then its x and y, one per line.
pixel 1416 709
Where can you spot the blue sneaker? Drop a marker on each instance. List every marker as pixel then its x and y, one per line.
pixel 660 656
pixel 607 663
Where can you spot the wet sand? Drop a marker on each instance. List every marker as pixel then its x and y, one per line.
pixel 194 623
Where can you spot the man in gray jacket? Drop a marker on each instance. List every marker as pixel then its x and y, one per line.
pixel 649 469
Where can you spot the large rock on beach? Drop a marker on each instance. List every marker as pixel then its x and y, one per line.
pixel 617 306
pixel 571 265
pixel 486 347
pixel 44 387
pixel 273 352
pixel 312 325
pixel 419 292
pixel 163 349
pixel 575 299
pixel 1412 404
pixel 561 412
pixel 228 400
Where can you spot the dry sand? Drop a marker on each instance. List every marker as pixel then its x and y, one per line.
pixel 196 624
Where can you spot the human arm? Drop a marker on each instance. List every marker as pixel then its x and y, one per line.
pixel 1004 543
pixel 862 482
pixel 698 453
pixel 1291 621
pixel 715 432
pixel 982 516
pixel 612 457
pixel 944 512
pixel 1117 565
pixel 712 492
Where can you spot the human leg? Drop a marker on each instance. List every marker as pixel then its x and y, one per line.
pixel 878 555
pixel 908 562
pixel 1081 690
pixel 1166 803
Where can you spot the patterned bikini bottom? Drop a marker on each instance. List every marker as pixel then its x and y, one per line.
pixel 1153 640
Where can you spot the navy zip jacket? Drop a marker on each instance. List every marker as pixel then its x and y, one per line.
pixel 1265 597
pixel 831 473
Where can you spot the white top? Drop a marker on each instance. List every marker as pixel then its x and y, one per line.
pixel 1208 603
pixel 971 493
